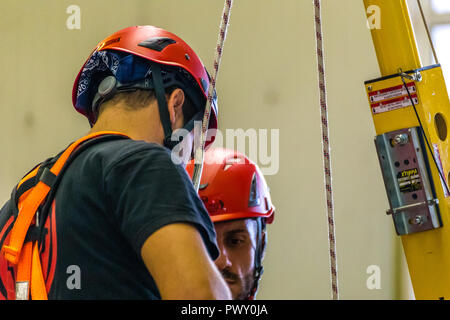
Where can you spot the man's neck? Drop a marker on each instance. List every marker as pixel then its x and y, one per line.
pixel 137 124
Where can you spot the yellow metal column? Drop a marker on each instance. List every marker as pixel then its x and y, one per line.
pixel 427 252
pixel 394 41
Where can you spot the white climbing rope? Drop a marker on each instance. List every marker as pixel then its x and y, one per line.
pixel 199 152
pixel 326 150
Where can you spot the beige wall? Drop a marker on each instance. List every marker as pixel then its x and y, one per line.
pixel 268 80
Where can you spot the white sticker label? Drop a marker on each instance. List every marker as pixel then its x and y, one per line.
pixel 393 104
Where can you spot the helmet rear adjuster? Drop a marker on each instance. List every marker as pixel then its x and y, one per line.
pixel 106 90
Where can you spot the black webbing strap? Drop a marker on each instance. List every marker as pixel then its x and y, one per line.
pixel 162 105
pixel 259 251
pixel 18 191
pixel 47 177
pixel 33 233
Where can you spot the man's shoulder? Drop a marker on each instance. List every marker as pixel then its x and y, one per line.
pixel 110 153
pixel 128 146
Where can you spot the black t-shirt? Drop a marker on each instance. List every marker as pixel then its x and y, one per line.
pixel 111 199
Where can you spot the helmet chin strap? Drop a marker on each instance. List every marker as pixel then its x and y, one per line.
pixel 260 244
pixel 164 111
pixel 162 106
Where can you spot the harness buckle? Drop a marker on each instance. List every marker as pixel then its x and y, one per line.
pixel 11 254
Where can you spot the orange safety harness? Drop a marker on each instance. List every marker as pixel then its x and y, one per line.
pixel 22 251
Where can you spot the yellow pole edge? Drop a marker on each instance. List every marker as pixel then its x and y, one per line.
pixel 427 253
pixel 394 40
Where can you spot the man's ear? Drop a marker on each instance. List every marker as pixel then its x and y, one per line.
pixel 175 103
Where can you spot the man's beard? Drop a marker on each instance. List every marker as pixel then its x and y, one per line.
pixel 245 283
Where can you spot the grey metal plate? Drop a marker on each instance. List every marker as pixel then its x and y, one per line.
pixel 406 177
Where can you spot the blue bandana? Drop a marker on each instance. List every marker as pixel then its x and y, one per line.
pixel 127 68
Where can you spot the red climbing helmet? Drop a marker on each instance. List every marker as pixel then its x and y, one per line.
pixel 232 187
pixel 157 46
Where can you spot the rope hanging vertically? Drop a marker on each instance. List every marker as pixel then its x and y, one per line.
pixel 326 150
pixel 427 29
pixel 199 152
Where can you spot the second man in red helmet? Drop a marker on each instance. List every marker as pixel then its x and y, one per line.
pixel 237 198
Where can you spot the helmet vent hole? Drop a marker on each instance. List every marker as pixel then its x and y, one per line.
pixel 253 200
pixel 230 162
pixel 157 43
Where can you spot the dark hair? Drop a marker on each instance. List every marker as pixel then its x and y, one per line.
pixel 138 99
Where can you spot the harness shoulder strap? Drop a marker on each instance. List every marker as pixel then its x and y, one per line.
pixel 38 184
pixel 36 197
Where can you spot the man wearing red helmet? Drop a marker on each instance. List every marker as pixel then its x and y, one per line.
pixel 237 198
pixel 126 222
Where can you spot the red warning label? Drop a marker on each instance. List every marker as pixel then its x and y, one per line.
pixel 393 104
pixel 392 98
pixel 392 92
